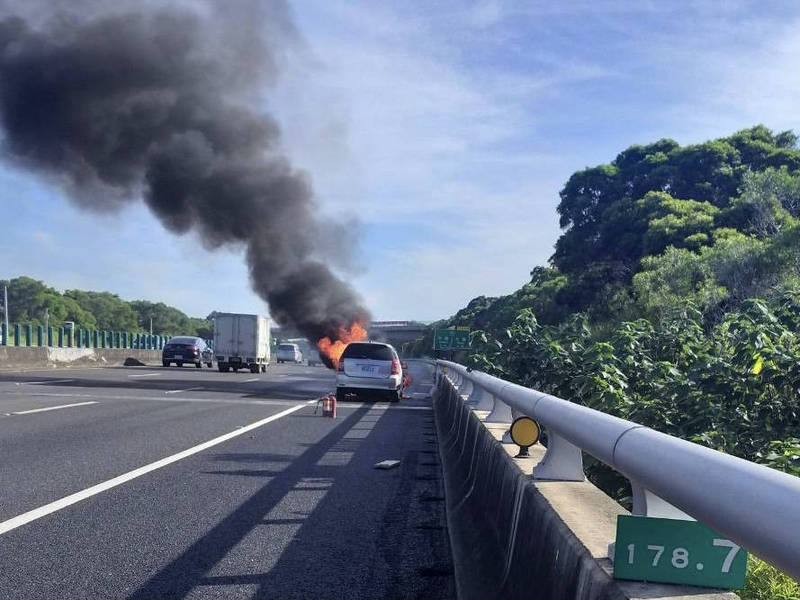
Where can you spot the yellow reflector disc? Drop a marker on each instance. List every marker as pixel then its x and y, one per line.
pixel 525 432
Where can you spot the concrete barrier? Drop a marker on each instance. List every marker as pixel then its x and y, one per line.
pixel 514 537
pixel 28 358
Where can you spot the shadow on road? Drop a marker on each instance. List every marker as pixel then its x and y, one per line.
pixel 367 534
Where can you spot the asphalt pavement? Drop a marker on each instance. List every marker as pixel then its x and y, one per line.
pixel 147 483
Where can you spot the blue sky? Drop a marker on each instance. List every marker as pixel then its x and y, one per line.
pixel 447 130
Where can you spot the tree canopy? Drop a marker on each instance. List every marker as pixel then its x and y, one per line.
pixel 30 300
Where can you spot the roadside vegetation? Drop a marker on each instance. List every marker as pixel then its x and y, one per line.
pixel 29 299
pixel 673 300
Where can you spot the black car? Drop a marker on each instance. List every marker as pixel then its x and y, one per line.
pixel 186 349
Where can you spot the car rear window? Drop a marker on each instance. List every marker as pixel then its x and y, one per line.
pixel 183 340
pixel 285 347
pixel 371 351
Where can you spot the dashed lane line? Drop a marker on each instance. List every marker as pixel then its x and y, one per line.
pixel 66 501
pixel 145 375
pixel 184 390
pixel 46 382
pixel 45 409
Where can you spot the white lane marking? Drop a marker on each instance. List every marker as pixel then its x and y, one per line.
pixel 47 382
pixel 146 375
pixel 184 390
pixel 66 501
pixel 251 380
pixel 38 410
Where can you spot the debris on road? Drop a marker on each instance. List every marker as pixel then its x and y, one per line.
pixel 387 464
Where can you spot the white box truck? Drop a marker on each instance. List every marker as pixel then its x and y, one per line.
pixel 241 342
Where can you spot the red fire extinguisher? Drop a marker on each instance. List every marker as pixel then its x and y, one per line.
pixel 329 406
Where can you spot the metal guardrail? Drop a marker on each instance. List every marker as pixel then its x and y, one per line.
pixel 755 506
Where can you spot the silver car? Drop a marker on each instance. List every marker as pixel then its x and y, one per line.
pixel 369 367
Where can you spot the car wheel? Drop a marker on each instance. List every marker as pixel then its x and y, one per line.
pixel 199 365
pixel 340 395
pixel 179 363
pixel 165 363
pixel 263 368
pixel 394 395
pixel 208 364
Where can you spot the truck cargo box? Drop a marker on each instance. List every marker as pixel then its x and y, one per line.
pixel 241 342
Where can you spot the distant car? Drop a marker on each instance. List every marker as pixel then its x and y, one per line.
pixel 369 367
pixel 187 349
pixel 289 353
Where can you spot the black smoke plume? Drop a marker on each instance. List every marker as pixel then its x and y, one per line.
pixel 158 104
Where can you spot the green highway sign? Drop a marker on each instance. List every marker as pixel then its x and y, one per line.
pixel 451 339
pixel 675 551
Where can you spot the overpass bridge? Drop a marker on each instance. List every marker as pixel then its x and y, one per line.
pixel 150 482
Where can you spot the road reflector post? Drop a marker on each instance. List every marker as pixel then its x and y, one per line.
pixel 525 432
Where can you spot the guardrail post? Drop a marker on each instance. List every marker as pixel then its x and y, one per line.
pixel 501 412
pixel 40 335
pixel 16 334
pixel 481 399
pixel 69 332
pixel 466 390
pixel 28 334
pixel 50 335
pixel 648 504
pixel 515 414
pixel 60 337
pixel 4 329
pixel 563 461
pixel 79 338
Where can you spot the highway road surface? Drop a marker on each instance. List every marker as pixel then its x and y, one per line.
pixel 148 483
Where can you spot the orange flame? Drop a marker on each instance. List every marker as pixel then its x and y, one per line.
pixel 333 349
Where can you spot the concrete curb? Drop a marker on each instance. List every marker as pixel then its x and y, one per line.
pixel 513 537
pixel 25 358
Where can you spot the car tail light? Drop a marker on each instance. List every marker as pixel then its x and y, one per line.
pixel 395 367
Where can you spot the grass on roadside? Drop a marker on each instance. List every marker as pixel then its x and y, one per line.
pixel 765 582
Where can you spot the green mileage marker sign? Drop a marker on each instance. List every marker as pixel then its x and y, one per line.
pixel 674 551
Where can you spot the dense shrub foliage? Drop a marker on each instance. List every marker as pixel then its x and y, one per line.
pixel 672 300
